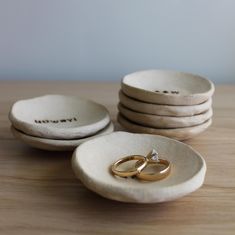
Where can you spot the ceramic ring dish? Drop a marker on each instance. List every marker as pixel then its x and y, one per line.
pixel 187 172
pixel 176 133
pixel 57 145
pixel 164 122
pixel 58 122
pixel 170 103
pixel 164 110
pixel 58 117
pixel 167 87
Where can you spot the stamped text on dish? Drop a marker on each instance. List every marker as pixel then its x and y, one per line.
pixel 74 119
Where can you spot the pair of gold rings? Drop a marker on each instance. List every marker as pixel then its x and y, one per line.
pixel 142 163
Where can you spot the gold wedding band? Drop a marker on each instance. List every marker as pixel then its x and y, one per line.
pixel 147 176
pixel 141 165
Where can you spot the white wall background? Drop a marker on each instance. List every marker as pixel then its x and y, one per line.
pixel 105 39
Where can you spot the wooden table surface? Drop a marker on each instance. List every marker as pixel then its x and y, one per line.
pixel 39 193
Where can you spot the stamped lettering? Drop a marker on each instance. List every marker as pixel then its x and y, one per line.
pixel 73 119
pixel 166 92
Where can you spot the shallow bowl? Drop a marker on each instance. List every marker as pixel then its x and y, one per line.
pixel 175 133
pixel 167 87
pixel 57 145
pixel 92 160
pixel 58 117
pixel 164 110
pixel 157 121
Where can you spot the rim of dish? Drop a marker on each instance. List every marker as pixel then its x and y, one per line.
pixel 209 91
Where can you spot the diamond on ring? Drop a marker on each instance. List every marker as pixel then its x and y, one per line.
pixel 153 155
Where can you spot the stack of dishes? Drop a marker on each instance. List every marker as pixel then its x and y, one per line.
pixel 57 122
pixel 169 103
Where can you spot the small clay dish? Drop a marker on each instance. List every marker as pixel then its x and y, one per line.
pixel 164 121
pixel 58 117
pixel 167 87
pixel 92 160
pixel 57 145
pixel 175 133
pixel 164 110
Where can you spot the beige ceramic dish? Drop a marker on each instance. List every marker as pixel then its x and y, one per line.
pixel 91 162
pixel 164 110
pixel 59 117
pixel 57 145
pixel 164 121
pixel 167 87
pixel 175 133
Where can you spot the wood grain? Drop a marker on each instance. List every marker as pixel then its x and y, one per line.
pixel 39 193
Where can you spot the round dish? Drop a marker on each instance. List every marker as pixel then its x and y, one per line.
pixel 187 173
pixel 164 110
pixel 164 121
pixel 175 133
pixel 58 117
pixel 57 145
pixel 167 87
